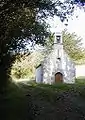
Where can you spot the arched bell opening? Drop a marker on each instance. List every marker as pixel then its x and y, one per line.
pixel 58 77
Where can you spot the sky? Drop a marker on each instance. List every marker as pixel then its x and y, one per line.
pixel 76 25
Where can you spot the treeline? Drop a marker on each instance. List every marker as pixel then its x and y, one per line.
pixel 26 67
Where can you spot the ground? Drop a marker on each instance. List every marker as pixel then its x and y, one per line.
pixel 43 102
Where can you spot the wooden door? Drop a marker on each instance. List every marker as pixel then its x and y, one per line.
pixel 58 77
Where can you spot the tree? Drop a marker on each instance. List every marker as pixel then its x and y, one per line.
pixel 20 21
pixel 23 19
pixel 72 44
pixel 25 66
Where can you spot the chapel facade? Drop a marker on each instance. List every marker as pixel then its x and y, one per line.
pixel 57 66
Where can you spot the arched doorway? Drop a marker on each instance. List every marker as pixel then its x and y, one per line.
pixel 58 77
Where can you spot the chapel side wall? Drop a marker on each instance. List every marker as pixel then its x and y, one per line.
pixel 46 77
pixel 69 69
pixel 39 74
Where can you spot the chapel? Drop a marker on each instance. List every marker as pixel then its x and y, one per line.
pixel 57 66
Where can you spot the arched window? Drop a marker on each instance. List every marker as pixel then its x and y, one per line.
pixel 58 39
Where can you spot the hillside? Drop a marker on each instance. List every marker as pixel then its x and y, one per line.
pixel 43 102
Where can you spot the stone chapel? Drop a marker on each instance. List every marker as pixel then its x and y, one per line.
pixel 57 66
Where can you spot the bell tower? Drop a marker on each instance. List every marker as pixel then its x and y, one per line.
pixel 58 44
pixel 58 38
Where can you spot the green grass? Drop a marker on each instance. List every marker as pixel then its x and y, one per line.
pixel 80 80
pixel 33 101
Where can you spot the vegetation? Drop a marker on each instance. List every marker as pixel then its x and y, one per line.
pixel 26 68
pixel 19 20
pixel 72 45
pixel 80 80
pixel 23 21
pixel 42 102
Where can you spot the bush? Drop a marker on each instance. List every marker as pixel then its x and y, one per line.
pixel 20 72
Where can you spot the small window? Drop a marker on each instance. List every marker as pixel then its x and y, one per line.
pixel 59 58
pixel 58 38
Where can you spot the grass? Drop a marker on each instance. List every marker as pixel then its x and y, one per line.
pixel 80 80
pixel 33 101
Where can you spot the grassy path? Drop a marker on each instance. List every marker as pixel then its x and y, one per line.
pixel 43 102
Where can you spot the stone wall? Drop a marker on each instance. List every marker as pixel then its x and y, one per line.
pixel 51 66
pixel 58 61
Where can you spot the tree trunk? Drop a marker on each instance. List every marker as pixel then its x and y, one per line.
pixel 5 68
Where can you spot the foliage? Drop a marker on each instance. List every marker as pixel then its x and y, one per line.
pixel 24 66
pixel 19 72
pixel 82 60
pixel 23 21
pixel 72 44
pixel 20 22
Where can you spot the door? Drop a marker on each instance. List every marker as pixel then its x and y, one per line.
pixel 58 77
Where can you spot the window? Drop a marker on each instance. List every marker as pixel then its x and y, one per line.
pixel 58 38
pixel 59 58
